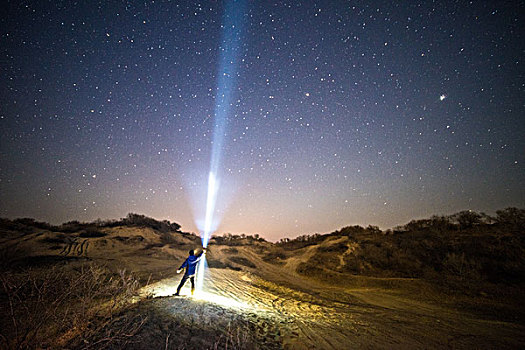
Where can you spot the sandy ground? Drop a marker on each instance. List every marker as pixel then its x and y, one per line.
pixel 268 305
pixel 317 317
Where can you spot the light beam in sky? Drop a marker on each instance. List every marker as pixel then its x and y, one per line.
pixel 230 51
pixel 211 199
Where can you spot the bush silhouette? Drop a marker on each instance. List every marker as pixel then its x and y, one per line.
pixel 465 247
pixel 143 221
pixel 511 217
pixel 467 219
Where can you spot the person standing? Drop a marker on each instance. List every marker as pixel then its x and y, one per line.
pixel 190 264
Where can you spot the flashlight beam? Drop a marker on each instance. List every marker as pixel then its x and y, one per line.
pixel 200 275
pixel 230 51
pixel 210 208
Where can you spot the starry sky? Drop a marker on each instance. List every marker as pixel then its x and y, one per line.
pixel 340 113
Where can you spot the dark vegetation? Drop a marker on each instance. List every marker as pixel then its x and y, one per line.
pixel 275 256
pixel 301 241
pixel 92 229
pixel 231 250
pixel 475 262
pixel 236 240
pixel 218 264
pixel 164 226
pixel 91 232
pixel 242 261
pixel 59 307
pixel 467 246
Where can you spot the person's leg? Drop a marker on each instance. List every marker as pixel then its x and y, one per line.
pixel 182 281
pixel 192 280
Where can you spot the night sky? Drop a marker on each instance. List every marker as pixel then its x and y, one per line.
pixel 340 112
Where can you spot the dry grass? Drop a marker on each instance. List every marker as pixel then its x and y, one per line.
pixel 235 338
pixel 60 307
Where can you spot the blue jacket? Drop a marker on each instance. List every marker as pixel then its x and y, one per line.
pixel 190 264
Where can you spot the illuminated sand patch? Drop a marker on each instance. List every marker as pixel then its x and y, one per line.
pixel 163 290
pixel 221 300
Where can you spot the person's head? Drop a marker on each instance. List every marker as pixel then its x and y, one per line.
pixel 192 252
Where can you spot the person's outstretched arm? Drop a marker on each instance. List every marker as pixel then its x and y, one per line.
pixel 201 253
pixel 184 264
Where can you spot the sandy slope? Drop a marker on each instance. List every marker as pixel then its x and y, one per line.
pixel 338 318
pixel 271 302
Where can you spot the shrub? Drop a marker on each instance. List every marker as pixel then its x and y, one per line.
pixel 257 238
pixel 373 229
pixel 230 240
pixel 441 224
pixel 16 226
pixel 301 241
pixel 92 232
pixel 334 248
pixel 59 238
pixel 71 227
pixel 33 223
pixel 144 221
pixel 512 217
pixel 467 219
pixel 459 265
pixel 167 238
pixel 350 231
pixel 275 256
pixel 217 264
pixel 242 261
pixel 418 225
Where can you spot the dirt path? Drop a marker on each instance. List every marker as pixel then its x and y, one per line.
pixel 336 318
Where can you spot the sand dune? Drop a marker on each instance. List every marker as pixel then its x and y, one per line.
pixel 260 295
